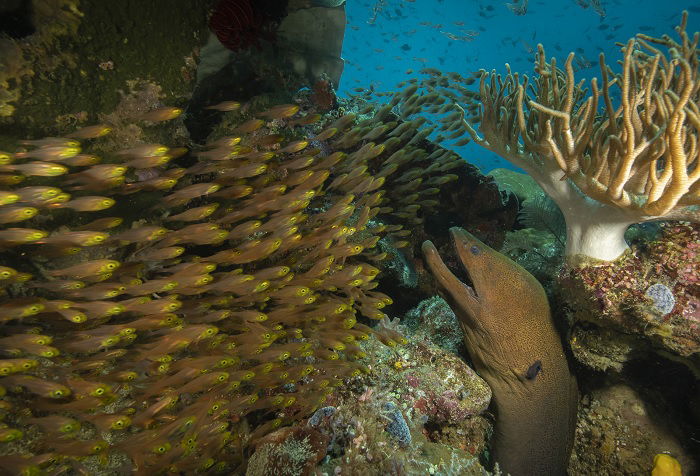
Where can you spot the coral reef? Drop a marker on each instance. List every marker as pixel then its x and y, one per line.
pixel 635 320
pixel 397 427
pixel 538 247
pixel 176 304
pixel 440 433
pixel 433 320
pixel 51 19
pixel 165 309
pixel 449 395
pixel 292 451
pixel 647 301
pixel 323 95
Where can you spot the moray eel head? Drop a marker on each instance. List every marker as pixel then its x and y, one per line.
pixel 455 292
pixel 495 281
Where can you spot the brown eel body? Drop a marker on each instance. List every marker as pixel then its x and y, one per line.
pixel 510 336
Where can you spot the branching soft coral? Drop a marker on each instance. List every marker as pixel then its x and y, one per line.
pixel 606 166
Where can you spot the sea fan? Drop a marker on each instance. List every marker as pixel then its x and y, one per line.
pixel 541 213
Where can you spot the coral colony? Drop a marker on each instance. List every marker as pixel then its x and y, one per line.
pixel 631 163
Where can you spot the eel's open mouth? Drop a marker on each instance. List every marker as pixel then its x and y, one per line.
pixel 457 265
pixel 450 271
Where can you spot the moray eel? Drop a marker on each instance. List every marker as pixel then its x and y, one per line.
pixel 510 336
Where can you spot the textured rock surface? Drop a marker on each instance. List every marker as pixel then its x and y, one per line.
pixel 618 433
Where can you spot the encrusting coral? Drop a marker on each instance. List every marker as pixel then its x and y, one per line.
pixel 161 312
pixel 606 166
pixel 646 301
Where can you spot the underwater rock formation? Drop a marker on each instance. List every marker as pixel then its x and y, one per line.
pixel 433 320
pixel 616 317
pixel 288 451
pixel 77 56
pixel 618 428
pixel 443 407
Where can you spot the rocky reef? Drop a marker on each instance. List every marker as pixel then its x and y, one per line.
pixel 165 307
pixel 649 298
pixel 406 416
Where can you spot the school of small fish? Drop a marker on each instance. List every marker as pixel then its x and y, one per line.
pixel 173 317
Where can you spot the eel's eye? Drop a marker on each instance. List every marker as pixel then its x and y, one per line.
pixel 475 250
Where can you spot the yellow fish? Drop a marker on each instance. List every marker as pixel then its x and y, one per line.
pixel 142 233
pixel 7 197
pixel 666 465
pixel 40 169
pixel 101 224
pixel 90 268
pixel 21 235
pixel 13 179
pixel 144 150
pixel 5 158
pixel 103 172
pixel 15 214
pixel 89 204
pixel 78 238
pixel 194 214
pixel 225 106
pixel 149 162
pixel 158 183
pixel 281 111
pixel 295 146
pixel 249 126
pixel 306 120
pixel 185 194
pixel 56 424
pixel 37 194
pixel 91 132
pixel 7 272
pixel 60 152
pixel 52 142
pixel 161 114
pixel 38 386
pixel 158 254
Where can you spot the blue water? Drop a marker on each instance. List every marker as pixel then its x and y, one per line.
pixel 386 38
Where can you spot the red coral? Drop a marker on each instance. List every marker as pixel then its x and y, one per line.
pixel 240 24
